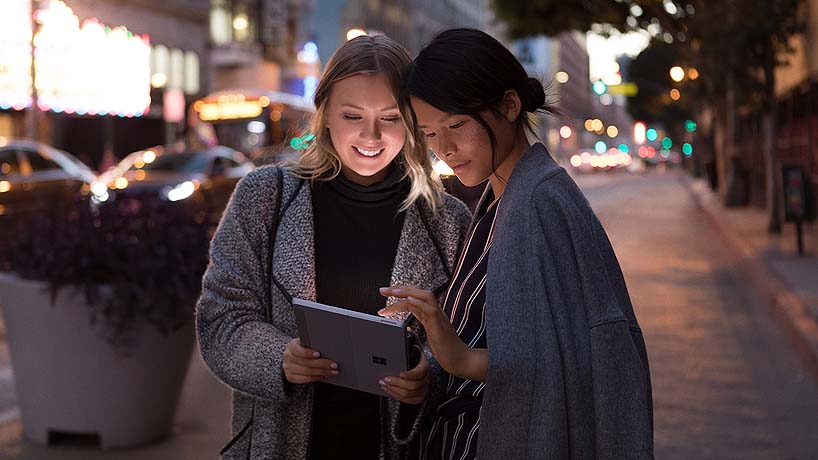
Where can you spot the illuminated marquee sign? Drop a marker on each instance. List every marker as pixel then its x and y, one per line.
pixel 230 108
pixel 89 68
pixel 15 54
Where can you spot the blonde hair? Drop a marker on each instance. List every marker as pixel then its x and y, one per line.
pixel 370 55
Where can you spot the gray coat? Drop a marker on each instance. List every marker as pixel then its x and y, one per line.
pixel 568 370
pixel 245 352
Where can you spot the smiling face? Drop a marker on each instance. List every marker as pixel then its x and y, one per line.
pixel 365 127
pixel 463 143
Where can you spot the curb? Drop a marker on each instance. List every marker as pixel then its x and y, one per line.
pixel 788 309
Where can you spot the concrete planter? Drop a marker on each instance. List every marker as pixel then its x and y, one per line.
pixel 70 381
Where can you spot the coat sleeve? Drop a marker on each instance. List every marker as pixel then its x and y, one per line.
pixel 237 344
pixel 596 326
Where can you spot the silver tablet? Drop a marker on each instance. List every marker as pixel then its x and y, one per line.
pixel 366 347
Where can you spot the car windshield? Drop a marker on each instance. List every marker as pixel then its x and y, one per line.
pixel 190 162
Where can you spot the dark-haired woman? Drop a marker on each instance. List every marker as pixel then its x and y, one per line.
pixel 537 332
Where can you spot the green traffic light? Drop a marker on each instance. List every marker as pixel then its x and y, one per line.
pixel 623 148
pixel 690 126
pixel 599 88
pixel 687 149
pixel 651 134
pixel 667 143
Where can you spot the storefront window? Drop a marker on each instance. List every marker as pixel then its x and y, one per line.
pixel 176 78
pixel 221 18
pixel 160 66
pixel 192 83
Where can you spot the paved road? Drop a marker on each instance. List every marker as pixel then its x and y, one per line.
pixel 726 383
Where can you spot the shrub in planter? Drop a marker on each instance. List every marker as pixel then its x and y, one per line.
pixel 126 276
pixel 148 255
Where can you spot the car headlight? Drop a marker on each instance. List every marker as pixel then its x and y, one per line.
pixel 180 192
pixel 100 191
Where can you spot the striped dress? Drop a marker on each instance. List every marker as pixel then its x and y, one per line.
pixel 453 434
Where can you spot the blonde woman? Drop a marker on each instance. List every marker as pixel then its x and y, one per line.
pixel 360 209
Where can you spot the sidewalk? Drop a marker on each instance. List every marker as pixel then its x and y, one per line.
pixel 787 282
pixel 202 427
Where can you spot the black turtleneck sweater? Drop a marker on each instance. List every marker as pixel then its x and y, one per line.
pixel 357 230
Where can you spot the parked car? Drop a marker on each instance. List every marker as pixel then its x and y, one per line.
pixel 175 173
pixel 33 176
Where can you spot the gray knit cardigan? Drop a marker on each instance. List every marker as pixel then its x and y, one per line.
pixel 245 352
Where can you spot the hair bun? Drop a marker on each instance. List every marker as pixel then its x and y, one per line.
pixel 534 98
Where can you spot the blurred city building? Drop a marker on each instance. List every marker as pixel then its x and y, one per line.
pixel 410 22
pixel 110 77
pixel 255 44
pixel 264 71
pixel 561 63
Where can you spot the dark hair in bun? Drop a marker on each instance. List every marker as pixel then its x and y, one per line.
pixel 534 99
pixel 467 71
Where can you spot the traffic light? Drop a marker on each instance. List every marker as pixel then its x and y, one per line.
pixel 599 87
pixel 690 126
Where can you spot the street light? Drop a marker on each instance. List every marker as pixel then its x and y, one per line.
pixel 565 132
pixel 561 77
pixel 597 125
pixel 675 94
pixel 677 73
pixel 693 73
pixel 613 131
pixel 639 132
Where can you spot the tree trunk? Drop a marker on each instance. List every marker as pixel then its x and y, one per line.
pixel 770 155
pixel 733 187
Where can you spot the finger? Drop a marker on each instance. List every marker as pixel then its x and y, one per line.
pixel 295 369
pixel 420 372
pixel 395 391
pixel 424 312
pixel 396 307
pixel 408 386
pixel 392 392
pixel 389 290
pixel 312 363
pixel 302 352
pixel 401 307
pixel 401 395
pixel 402 291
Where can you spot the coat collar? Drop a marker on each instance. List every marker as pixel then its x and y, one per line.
pixel 417 261
pixel 536 160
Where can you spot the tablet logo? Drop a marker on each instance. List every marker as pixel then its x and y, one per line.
pixel 379 360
